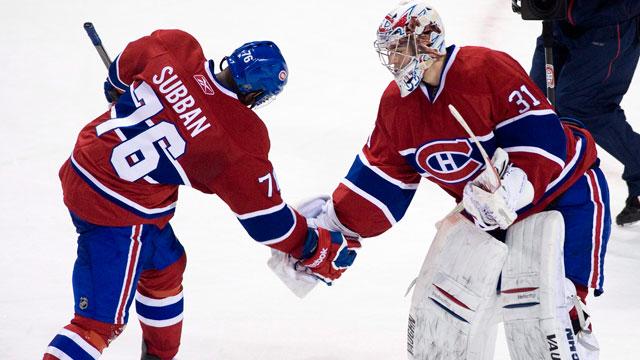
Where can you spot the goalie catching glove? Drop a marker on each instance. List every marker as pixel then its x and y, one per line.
pixel 327 254
pixel 490 206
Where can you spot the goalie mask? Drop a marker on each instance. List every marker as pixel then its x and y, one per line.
pixel 409 40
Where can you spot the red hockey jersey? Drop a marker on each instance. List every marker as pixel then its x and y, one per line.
pixel 175 125
pixel 417 137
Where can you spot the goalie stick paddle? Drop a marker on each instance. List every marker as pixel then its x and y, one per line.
pixel 95 39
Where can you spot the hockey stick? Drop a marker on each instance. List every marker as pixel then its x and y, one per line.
pixel 459 207
pixel 95 39
pixel 475 140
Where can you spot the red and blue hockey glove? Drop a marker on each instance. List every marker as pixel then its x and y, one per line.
pixel 327 254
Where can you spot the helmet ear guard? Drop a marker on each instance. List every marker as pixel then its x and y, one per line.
pixel 258 67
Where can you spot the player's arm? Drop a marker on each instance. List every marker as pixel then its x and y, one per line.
pixel 378 188
pixel 251 190
pixel 528 129
pixel 137 54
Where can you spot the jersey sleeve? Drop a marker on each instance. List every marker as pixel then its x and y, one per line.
pixel 250 189
pixel 137 55
pixel 378 188
pixel 525 125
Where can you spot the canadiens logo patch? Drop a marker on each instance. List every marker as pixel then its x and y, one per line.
pixel 282 75
pixel 204 84
pixel 449 161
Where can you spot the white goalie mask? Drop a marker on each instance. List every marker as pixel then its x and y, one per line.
pixel 409 40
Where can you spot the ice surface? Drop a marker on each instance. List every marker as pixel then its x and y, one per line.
pixel 51 85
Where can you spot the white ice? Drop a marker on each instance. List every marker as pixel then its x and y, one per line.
pixel 51 85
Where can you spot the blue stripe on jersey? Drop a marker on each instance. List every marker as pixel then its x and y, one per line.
pixel 395 198
pixel 117 201
pixel 269 226
pixel 566 176
pixel 70 348
pixel 160 312
pixel 113 75
pixel 540 131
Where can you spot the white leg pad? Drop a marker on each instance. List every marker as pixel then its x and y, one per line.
pixel 452 313
pixel 535 305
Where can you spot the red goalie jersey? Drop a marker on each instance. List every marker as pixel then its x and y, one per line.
pixel 417 137
pixel 175 125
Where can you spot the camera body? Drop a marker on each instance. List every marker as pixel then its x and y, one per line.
pixel 540 9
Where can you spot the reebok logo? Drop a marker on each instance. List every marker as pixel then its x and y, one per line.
pixel 204 84
pixel 320 259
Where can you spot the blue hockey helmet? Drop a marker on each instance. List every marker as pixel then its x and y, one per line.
pixel 258 66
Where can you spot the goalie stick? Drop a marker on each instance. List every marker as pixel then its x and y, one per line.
pixel 456 114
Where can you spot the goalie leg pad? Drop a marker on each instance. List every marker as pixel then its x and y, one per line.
pixel 452 309
pixel 535 304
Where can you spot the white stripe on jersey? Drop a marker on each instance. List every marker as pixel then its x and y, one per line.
pixel 287 234
pixel 379 204
pixel 523 115
pixel 536 150
pixel 261 212
pixel 568 168
pixel 384 175
pixel 215 82
pixel 117 196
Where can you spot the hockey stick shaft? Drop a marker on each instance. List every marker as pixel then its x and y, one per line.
pixel 459 207
pixel 475 140
pixel 95 39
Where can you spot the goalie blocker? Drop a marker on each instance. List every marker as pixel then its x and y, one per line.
pixel 457 304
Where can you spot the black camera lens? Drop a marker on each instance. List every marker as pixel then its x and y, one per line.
pixel 545 6
pixel 541 9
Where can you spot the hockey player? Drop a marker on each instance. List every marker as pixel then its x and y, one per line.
pixel 176 122
pixel 547 164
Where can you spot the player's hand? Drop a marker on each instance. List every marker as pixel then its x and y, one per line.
pixel 312 207
pixel 110 92
pixel 494 205
pixel 489 210
pixel 320 214
pixel 327 254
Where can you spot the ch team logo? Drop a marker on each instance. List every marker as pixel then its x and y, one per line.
pixel 282 75
pixel 449 161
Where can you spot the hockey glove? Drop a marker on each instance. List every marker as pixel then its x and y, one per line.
pixel 312 207
pixel 493 207
pixel 110 92
pixel 320 213
pixel 327 254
